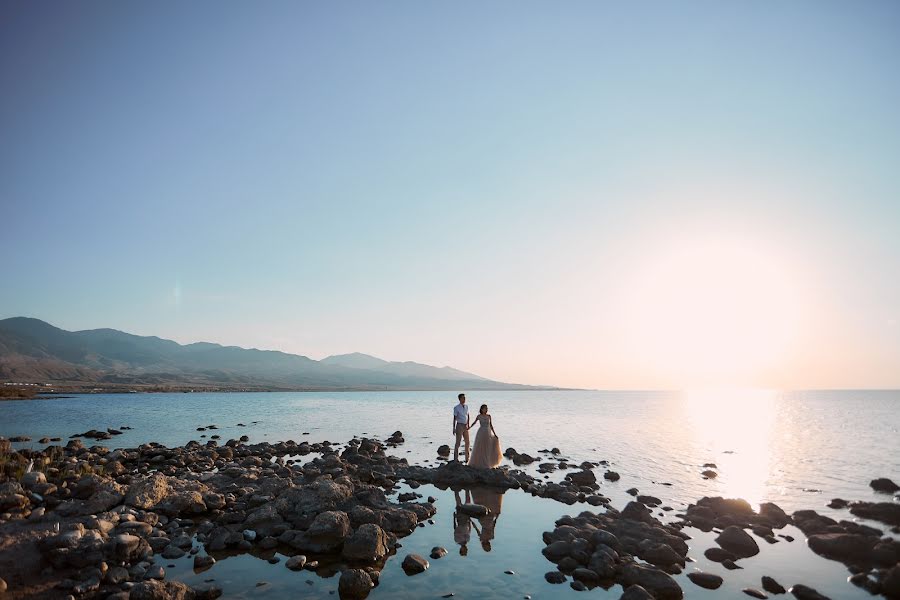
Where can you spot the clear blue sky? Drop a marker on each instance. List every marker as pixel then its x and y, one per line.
pixel 495 186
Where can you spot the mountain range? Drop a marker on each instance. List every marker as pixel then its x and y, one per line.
pixel 33 351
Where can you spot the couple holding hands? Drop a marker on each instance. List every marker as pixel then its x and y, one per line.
pixel 486 450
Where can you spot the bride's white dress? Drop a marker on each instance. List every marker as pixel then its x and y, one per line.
pixel 486 449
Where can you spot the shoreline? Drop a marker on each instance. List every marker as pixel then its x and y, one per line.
pixel 118 509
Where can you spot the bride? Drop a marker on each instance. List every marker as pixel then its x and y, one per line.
pixel 486 450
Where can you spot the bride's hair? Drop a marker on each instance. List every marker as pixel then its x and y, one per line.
pixel 483 409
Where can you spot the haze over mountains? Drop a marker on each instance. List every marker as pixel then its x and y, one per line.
pixel 32 350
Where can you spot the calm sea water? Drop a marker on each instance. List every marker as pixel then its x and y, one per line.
pixel 798 449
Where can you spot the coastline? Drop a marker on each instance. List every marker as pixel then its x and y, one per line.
pixel 117 510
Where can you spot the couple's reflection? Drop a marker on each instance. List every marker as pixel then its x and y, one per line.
pixel 484 526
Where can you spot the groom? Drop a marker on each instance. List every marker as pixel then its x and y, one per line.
pixel 461 426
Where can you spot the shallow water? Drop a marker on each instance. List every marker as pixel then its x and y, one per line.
pixel 797 449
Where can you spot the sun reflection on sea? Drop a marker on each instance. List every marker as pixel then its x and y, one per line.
pixel 736 428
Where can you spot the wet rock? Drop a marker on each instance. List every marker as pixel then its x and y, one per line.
pixel 659 583
pixel 738 542
pixel 884 485
pixel 296 562
pixel 719 555
pixel 368 543
pixel 355 583
pixel 202 563
pixel 755 593
pixel 890 585
pixel 838 503
pixel 636 592
pixel 578 586
pixel 438 552
pixel 156 572
pixel 555 577
pixel 611 476
pixel 731 565
pixel 413 564
pixel 710 581
pixel 649 500
pixel 772 586
pixel 443 450
pixel 802 592
pixel 855 548
pixel 886 512
pixel 582 478
pixel 161 590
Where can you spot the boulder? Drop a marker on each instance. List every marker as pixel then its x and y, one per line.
pixel 149 492
pixel 772 586
pixel 611 476
pixel 443 450
pixel 884 485
pixel 413 564
pixel 582 477
pixel 555 577
pixel 659 583
pixel 890 585
pixel 710 581
pixel 368 543
pixel 802 592
pixel 636 592
pixel 354 583
pixel 738 542
pixel 886 512
pixel 161 590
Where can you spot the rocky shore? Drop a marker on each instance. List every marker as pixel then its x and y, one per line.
pixel 91 522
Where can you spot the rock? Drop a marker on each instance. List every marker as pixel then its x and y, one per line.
pixel 438 552
pixel 3 586
pixel 709 474
pixel 755 593
pixel 845 547
pixel 611 476
pixel 659 583
pixel 738 542
pixel 355 583
pixel 296 562
pixel 585 576
pixel 582 477
pixel 838 503
pixel 172 552
pixel 718 554
pixel 884 485
pixel 886 512
pixel 802 592
pixel 156 572
pixel 33 478
pixel 473 510
pixel 772 586
pixel 731 565
pixel 890 585
pixel 636 592
pixel 161 590
pixel 555 577
pixel 444 451
pixel 149 492
pixel 368 543
pixel 578 586
pixel 413 564
pixel 202 563
pixel 710 581
pixel 649 500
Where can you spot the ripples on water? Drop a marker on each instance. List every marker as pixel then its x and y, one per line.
pixel 798 449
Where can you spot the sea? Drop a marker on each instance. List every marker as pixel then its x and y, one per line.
pixel 798 449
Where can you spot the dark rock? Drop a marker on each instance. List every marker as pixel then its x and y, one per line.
pixel 582 478
pixel 658 583
pixel 555 577
pixel 578 586
pixel 161 590
pixel 755 593
pixel 710 581
pixel 296 562
pixel 802 592
pixel 636 592
pixel 709 474
pixel 202 563
pixel 731 565
pixel 772 586
pixel 886 512
pixel 354 583
pixel 444 451
pixel 838 503
pixel 368 543
pixel 890 585
pixel 413 564
pixel 738 542
pixel 885 485
pixel 438 552
pixel 611 476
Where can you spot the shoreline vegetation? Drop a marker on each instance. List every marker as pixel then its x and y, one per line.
pixel 91 522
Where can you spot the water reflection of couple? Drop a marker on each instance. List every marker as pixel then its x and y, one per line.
pixel 462 523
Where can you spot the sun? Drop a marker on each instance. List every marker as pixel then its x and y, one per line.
pixel 713 311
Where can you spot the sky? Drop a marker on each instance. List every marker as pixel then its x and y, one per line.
pixel 593 194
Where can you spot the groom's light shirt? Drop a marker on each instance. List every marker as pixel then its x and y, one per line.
pixel 461 413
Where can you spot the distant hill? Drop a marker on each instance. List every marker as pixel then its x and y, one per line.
pixel 32 350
